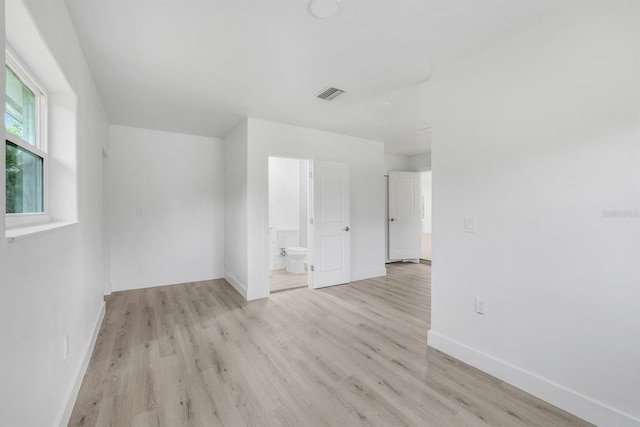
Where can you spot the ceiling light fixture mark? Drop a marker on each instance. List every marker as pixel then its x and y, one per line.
pixel 324 9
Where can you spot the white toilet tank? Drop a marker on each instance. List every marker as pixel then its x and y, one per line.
pixel 287 237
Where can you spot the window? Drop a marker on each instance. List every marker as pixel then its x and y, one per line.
pixel 41 132
pixel 25 146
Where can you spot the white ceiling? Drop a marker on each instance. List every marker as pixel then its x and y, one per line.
pixel 201 66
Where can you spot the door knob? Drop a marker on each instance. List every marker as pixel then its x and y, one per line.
pixel 391 219
pixel 346 228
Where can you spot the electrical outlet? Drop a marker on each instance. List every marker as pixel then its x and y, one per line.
pixel 470 224
pixel 66 346
pixel 481 305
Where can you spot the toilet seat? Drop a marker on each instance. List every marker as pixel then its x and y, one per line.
pixel 297 257
pixel 296 249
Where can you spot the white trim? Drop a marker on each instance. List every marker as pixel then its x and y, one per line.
pixel 70 399
pixel 20 233
pixel 241 289
pixel 571 401
pixel 41 140
pixel 27 219
pixel 368 274
pixel 155 281
pixel 27 79
pixel 16 140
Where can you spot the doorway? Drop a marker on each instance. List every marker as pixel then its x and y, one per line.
pixel 425 178
pixel 289 228
pixel 309 224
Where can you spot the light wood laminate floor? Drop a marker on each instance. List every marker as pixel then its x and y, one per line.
pixel 353 355
pixel 282 280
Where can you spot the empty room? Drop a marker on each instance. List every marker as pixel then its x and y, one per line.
pixel 320 213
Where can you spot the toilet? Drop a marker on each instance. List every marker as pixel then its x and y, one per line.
pixel 289 241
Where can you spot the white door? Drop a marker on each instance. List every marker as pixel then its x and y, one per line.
pixel 405 215
pixel 331 243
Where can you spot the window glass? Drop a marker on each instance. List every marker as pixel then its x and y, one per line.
pixel 24 179
pixel 20 109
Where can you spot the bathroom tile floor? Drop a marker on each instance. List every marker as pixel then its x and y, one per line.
pixel 282 280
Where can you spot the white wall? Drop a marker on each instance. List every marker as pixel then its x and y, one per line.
pixel 106 229
pixel 538 137
pixel 425 178
pixel 397 163
pixel 400 163
pixel 420 162
pixel 366 162
pixel 51 284
pixel 166 208
pixel 235 208
pixel 284 192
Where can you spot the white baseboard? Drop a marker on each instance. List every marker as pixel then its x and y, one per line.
pixel 70 400
pixel 368 274
pixel 152 282
pixel 571 401
pixel 239 287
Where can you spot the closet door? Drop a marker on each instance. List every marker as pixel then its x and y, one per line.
pixel 405 215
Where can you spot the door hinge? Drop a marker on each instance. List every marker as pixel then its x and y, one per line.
pixel 310 174
pixel 311 221
pixel 313 268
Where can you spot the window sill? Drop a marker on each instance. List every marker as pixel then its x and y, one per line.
pixel 20 233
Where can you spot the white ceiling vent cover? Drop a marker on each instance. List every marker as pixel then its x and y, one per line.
pixel 330 93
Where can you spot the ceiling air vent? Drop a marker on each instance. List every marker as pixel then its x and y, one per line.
pixel 330 93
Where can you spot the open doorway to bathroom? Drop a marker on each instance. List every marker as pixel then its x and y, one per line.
pixel 289 231
pixel 425 178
